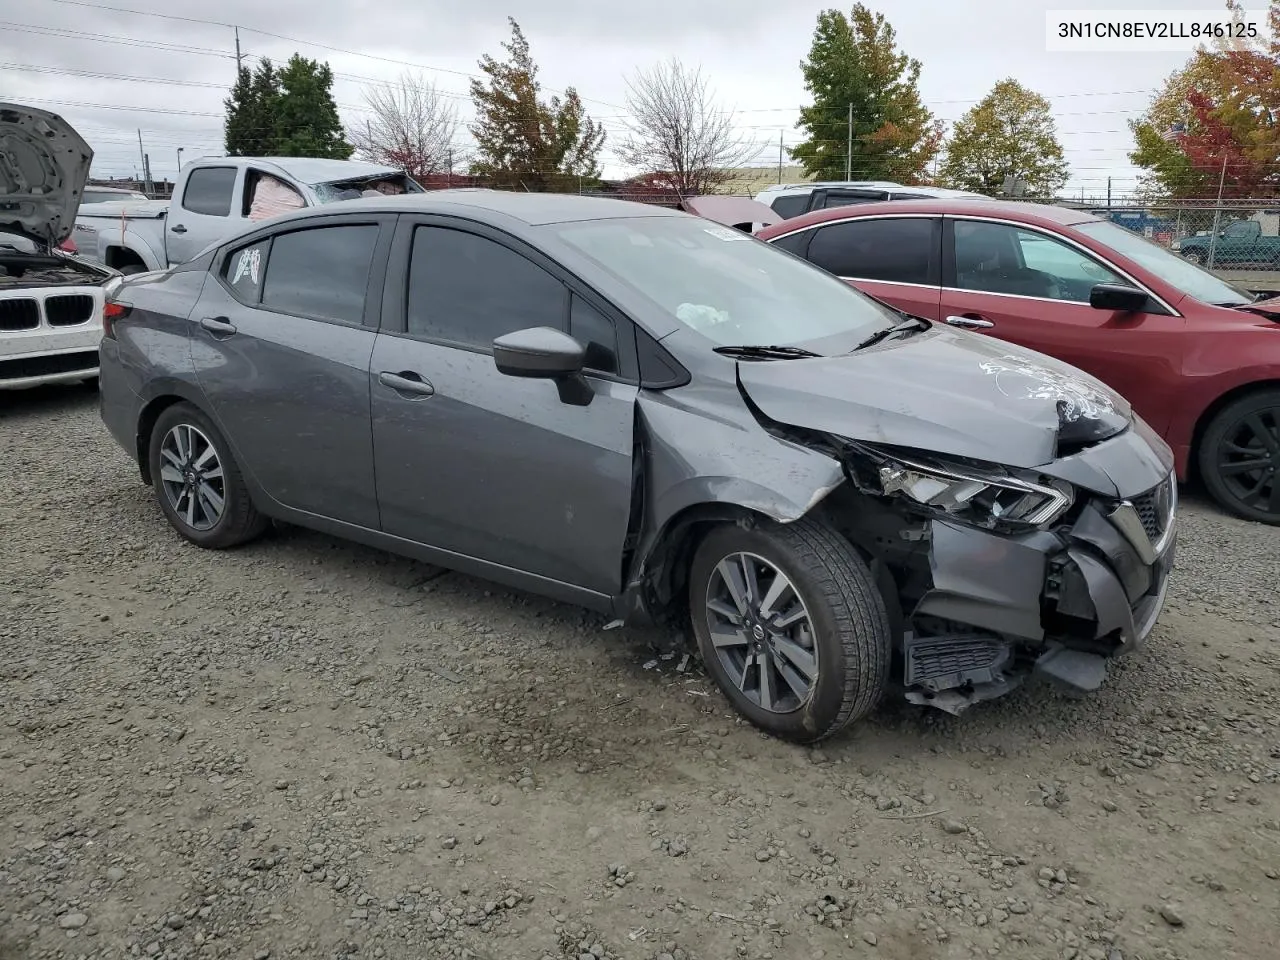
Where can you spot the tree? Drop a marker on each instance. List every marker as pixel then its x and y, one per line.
pixel 1215 120
pixel 252 108
pixel 1009 133
pixel 523 141
pixel 307 124
pixel 678 134
pixel 411 126
pixel 855 60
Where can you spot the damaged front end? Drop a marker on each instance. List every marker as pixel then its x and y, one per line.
pixel 1000 572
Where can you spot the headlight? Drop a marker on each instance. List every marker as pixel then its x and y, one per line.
pixel 991 499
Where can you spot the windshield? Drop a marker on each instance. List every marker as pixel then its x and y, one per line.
pixel 725 284
pixel 1192 280
pixel 391 185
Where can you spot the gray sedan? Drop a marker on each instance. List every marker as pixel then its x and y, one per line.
pixel 659 418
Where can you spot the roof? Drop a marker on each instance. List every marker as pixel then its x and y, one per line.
pixel 1009 209
pixel 869 185
pixel 311 169
pixel 532 209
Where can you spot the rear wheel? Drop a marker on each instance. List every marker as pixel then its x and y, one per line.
pixel 197 482
pixel 1240 457
pixel 791 626
pixel 1195 256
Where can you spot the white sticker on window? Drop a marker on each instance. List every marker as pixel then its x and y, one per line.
pixel 724 233
pixel 249 263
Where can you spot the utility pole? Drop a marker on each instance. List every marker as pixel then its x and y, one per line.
pixel 848 157
pixel 779 156
pixel 146 172
pixel 1217 213
pixel 239 64
pixel 1108 192
pixel 142 155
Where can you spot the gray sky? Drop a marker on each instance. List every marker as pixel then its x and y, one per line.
pixel 750 50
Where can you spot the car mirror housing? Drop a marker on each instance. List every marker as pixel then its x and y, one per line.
pixel 1117 296
pixel 545 353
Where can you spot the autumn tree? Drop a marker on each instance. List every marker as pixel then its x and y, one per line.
pixel 854 60
pixel 1009 133
pixel 250 128
pixel 678 133
pixel 1215 120
pixel 411 126
pixel 287 111
pixel 522 140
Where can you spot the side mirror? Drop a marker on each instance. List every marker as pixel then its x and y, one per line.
pixel 544 353
pixel 1117 296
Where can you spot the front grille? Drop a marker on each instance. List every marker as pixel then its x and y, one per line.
pixel 81 360
pixel 19 315
pixel 68 310
pixel 1153 509
pixel 941 663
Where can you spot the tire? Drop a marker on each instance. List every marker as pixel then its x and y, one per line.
pixel 239 521
pixel 1195 256
pixel 850 631
pixel 1230 439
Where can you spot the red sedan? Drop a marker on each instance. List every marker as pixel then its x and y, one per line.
pixel 1198 358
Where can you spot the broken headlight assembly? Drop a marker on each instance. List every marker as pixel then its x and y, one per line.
pixel 987 497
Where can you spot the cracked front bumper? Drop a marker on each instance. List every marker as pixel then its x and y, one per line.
pixel 1077 595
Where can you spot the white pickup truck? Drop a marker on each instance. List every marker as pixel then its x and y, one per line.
pixel 216 197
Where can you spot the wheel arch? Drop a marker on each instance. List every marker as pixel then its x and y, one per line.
pixel 1212 410
pixel 162 398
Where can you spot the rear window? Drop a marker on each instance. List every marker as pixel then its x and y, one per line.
pixel 790 205
pixel 208 191
pixel 890 250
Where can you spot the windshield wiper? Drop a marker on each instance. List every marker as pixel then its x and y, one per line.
pixel 765 352
pixel 911 323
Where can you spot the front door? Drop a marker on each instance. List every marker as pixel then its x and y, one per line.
pixel 485 465
pixel 281 341
pixel 1025 286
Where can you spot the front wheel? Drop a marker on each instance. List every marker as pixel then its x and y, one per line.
pixel 1195 256
pixel 791 626
pixel 1240 455
pixel 197 482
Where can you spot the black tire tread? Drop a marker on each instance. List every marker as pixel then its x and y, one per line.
pixel 243 522
pixel 859 611
pixel 1206 455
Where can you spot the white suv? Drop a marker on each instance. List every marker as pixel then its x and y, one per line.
pixel 792 199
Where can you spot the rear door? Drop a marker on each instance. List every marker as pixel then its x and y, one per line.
pixel 484 465
pixel 281 343
pixel 1027 286
pixel 896 259
pixel 203 212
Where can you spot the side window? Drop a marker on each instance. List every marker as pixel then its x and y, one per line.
pixel 597 332
pixel 849 199
pixel 1001 258
pixel 208 191
pixel 794 243
pixel 895 251
pixel 321 272
pixel 468 289
pixel 790 205
pixel 245 269
pixel 267 196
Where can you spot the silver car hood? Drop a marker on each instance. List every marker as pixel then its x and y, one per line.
pixel 44 165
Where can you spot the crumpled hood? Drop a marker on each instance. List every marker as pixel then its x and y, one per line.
pixel 944 391
pixel 44 165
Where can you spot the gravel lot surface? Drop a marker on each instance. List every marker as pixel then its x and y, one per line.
pixel 310 749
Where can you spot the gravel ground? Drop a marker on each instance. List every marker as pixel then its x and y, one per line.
pixel 310 749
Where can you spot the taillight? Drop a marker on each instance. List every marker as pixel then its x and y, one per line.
pixel 111 312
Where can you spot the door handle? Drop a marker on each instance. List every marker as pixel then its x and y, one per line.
pixel 970 323
pixel 178 229
pixel 406 382
pixel 220 327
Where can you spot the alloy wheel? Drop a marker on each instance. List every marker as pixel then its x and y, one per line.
pixel 192 476
pixel 1248 458
pixel 762 633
